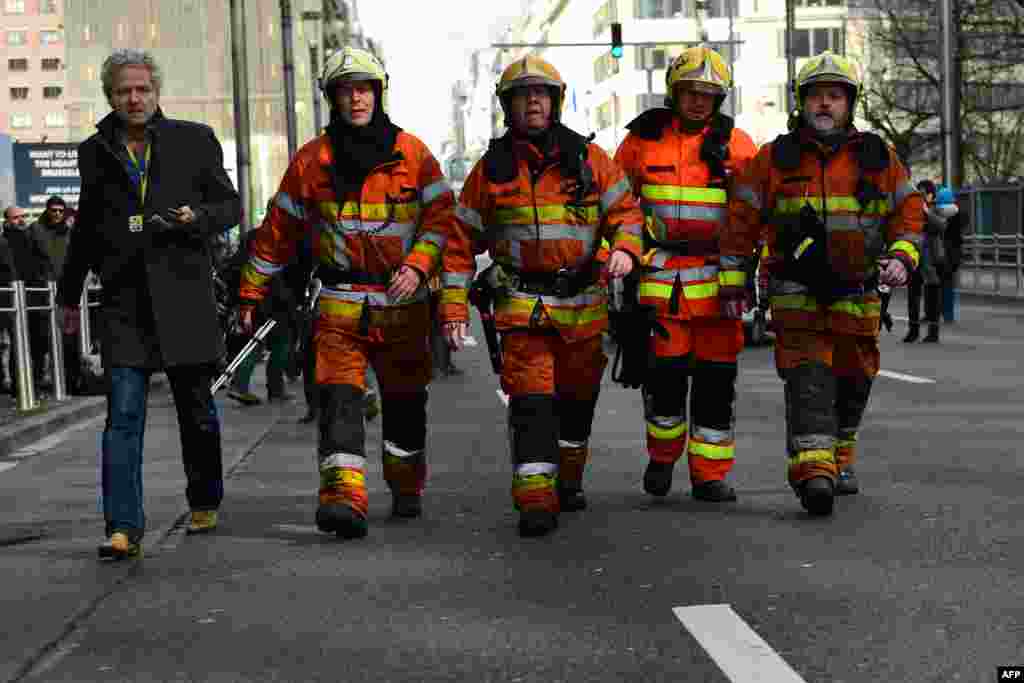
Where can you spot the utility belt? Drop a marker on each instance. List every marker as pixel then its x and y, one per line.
pixel 563 283
pixel 686 247
pixel 331 277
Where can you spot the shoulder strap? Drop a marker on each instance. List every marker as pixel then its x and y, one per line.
pixel 651 124
pixel 715 148
pixel 872 153
pixel 574 150
pixel 501 165
pixel 786 151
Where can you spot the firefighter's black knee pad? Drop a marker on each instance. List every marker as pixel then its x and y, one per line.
pixel 714 394
pixel 533 427
pixel 852 395
pixel 810 399
pixel 575 418
pixel 341 419
pixel 667 385
pixel 405 419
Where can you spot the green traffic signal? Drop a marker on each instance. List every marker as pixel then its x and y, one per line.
pixel 616 40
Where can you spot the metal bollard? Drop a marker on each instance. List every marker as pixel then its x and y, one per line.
pixel 60 392
pixel 26 390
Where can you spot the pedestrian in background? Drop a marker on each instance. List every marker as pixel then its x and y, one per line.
pixel 32 266
pixel 154 192
pixel 53 232
pixel 7 276
pixel 928 277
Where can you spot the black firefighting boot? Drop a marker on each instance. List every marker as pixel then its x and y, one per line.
pixel 658 478
pixel 715 491
pixel 817 496
pixel 913 333
pixel 933 334
pixel 343 499
pixel 341 520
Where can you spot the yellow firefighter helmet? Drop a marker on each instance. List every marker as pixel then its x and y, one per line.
pixel 532 70
pixel 828 67
pixel 352 64
pixel 701 67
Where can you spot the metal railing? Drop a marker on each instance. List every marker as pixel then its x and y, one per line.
pixel 22 343
pixel 993 264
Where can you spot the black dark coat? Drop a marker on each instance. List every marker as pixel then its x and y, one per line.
pixel 158 303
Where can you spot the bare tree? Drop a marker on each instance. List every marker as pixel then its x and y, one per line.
pixel 902 99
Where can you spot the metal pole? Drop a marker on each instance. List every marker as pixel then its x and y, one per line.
pixel 240 79
pixel 85 334
pixel 57 346
pixel 315 67
pixel 731 9
pixel 23 366
pixel 289 76
pixel 948 168
pixel 790 56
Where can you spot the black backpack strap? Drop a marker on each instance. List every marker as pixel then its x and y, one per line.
pixel 574 150
pixel 715 149
pixel 501 164
pixel 651 123
pixel 786 151
pixel 872 153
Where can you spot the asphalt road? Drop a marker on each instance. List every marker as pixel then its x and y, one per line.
pixel 918 578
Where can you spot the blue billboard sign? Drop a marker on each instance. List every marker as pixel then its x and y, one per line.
pixel 44 169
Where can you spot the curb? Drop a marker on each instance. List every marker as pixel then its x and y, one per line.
pixel 31 428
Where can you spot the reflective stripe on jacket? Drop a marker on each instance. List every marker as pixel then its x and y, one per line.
pixel 764 196
pixel 538 226
pixel 671 181
pixel 403 215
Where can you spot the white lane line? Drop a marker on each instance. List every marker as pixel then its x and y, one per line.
pixel 502 395
pixel 738 651
pixel 469 341
pixel 4 466
pixel 913 379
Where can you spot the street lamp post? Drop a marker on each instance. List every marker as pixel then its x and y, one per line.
pixel 313 25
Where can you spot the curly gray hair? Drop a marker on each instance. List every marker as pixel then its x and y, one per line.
pixel 128 57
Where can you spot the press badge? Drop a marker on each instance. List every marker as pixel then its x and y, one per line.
pixel 135 223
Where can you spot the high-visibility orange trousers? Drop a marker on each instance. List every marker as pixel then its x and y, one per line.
pixel 703 350
pixel 828 380
pixel 553 388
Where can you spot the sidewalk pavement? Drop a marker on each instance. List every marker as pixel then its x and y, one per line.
pixel 51 520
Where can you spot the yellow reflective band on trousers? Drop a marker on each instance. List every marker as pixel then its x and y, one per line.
pixel 428 248
pixel 804 457
pixel 732 278
pixel 666 433
pixel 677 193
pixel 533 482
pixel 804 302
pixel 792 205
pixel 657 290
pixel 846 443
pixel 454 296
pixel 711 451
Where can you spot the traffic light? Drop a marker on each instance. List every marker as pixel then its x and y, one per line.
pixel 616 40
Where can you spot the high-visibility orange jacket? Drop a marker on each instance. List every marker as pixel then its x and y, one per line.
pixel 535 224
pixel 672 183
pixel 403 215
pixel 766 196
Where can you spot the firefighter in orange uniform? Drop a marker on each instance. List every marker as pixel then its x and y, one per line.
pixel 381 212
pixel 540 201
pixel 680 161
pixel 839 217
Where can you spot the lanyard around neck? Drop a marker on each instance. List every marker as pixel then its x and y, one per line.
pixel 141 168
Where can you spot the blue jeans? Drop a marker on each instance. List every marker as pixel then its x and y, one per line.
pixel 123 435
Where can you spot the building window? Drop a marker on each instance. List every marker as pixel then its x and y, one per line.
pixel 651 57
pixel 48 7
pixel 720 8
pixel 16 38
pixel 662 9
pixel 51 64
pixel 56 119
pixel 21 120
pixel 605 67
pixel 20 64
pixel 49 37
pixel 604 16
pixel 735 96
pixel 19 93
pixel 645 101
pixel 52 92
pixel 86 33
pixel 14 6
pixel 606 114
pixel 820 3
pixel 812 41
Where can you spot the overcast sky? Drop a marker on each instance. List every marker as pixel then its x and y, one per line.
pixel 426 53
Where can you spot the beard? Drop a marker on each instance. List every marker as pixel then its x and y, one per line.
pixel 824 125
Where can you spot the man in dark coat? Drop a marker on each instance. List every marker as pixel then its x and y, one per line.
pixel 32 265
pixel 154 192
